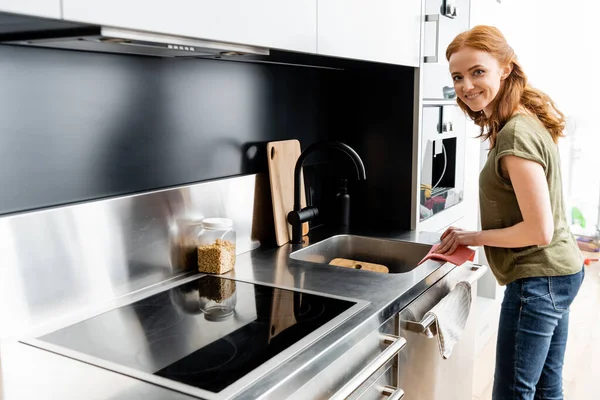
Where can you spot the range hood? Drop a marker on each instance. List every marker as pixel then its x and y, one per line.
pixel 26 31
pixel 30 31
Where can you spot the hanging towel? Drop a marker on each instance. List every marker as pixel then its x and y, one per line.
pixel 450 316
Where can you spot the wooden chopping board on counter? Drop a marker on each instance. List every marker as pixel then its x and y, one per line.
pixel 344 262
pixel 282 156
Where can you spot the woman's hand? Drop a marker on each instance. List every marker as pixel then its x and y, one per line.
pixel 454 237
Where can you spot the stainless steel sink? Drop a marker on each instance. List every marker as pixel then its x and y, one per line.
pixel 398 256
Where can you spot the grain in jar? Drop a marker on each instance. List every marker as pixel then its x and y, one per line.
pixel 216 246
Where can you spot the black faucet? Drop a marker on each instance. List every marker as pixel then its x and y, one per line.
pixel 299 215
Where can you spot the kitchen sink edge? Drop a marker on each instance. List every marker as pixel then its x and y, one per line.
pixel 398 256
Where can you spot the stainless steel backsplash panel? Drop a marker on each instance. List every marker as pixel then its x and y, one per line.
pixel 58 263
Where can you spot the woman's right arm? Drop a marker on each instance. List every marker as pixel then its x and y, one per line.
pixel 531 188
pixel 537 228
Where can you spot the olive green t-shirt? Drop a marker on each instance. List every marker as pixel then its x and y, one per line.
pixel 525 136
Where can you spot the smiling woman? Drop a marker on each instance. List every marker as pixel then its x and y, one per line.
pixel 525 233
pixel 477 76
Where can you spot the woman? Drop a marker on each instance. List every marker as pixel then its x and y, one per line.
pixel 526 237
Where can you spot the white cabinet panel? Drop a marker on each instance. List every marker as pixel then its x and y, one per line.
pixel 378 30
pixel 436 75
pixel 279 24
pixel 42 8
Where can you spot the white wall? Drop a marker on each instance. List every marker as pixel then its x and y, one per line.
pixel 557 42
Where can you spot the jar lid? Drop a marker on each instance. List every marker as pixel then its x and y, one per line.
pixel 217 223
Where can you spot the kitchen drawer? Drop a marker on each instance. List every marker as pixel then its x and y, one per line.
pixel 373 353
pixel 376 372
pixel 383 385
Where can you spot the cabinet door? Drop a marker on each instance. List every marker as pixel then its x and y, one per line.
pixel 42 8
pixel 277 24
pixel 422 372
pixel 378 30
pixel 436 74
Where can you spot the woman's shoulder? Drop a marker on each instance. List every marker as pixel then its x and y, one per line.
pixel 529 120
pixel 525 135
pixel 524 127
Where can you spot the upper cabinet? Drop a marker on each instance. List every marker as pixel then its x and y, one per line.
pixel 41 8
pixel 276 24
pixel 387 31
pixel 445 19
pixel 379 30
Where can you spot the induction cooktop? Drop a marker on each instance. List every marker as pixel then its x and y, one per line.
pixel 208 336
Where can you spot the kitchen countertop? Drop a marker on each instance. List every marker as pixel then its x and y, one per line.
pixel 28 372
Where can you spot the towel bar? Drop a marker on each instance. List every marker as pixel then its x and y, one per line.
pixel 426 326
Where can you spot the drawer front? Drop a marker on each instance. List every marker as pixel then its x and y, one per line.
pixel 377 373
pixel 350 366
pixel 377 390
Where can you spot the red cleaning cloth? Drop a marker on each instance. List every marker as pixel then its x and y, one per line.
pixel 461 255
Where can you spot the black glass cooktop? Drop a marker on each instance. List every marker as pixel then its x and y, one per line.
pixel 207 333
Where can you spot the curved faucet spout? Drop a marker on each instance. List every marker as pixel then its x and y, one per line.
pixel 298 216
pixel 358 163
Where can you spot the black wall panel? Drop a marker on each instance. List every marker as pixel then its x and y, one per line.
pixel 76 126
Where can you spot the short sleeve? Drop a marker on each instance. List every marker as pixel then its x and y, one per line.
pixel 520 141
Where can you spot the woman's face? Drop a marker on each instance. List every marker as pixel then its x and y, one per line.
pixel 477 77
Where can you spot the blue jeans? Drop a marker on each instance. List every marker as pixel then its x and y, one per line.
pixel 532 337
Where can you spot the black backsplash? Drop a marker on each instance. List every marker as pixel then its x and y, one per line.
pixel 77 126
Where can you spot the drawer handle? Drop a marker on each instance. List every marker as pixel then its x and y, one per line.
pixel 393 393
pixel 434 18
pixel 426 326
pixel 397 343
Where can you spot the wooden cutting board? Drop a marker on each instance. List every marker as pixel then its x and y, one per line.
pixel 282 157
pixel 344 262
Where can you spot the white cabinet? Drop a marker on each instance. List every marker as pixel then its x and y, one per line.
pixel 380 30
pixel 276 24
pixel 42 8
pixel 377 30
pixel 438 35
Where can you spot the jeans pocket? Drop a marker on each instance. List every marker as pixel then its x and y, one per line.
pixel 534 288
pixel 563 289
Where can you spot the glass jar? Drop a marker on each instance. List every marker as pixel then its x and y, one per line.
pixel 217 298
pixel 216 246
pixel 215 310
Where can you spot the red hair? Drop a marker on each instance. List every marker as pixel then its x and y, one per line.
pixel 514 92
